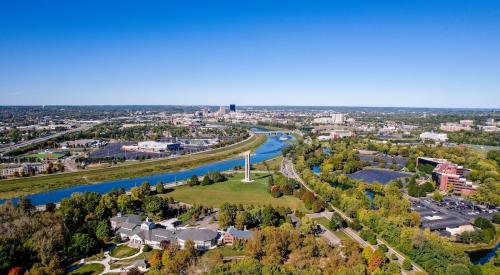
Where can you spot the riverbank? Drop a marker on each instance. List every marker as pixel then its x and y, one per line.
pixel 24 186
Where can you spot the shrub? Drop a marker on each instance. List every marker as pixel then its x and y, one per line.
pixel 275 191
pixel 394 257
pixel 317 206
pixel 407 265
pixel 369 236
pixel 496 218
pixel 384 248
pixel 355 225
pixel 146 248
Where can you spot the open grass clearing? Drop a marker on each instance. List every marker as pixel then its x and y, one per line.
pixel 88 269
pixel 123 251
pixel 234 191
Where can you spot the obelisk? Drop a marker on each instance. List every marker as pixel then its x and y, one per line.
pixel 247 167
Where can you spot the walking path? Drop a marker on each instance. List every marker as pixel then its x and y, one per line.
pixel 108 258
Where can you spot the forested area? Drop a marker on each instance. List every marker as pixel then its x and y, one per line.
pixel 44 242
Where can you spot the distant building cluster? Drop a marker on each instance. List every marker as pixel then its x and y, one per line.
pixel 463 125
pixel 332 119
pixel 336 134
pixel 448 175
pixel 24 169
pixel 441 137
pixel 152 147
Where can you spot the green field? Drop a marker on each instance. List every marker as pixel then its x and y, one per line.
pixel 22 186
pixel 88 269
pixel 236 192
pixel 45 155
pixel 123 251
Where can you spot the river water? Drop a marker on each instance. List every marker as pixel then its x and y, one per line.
pixel 271 148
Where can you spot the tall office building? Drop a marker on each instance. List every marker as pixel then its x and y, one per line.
pixel 232 108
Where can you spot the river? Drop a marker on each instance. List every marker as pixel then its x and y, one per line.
pixel 271 148
pixel 483 256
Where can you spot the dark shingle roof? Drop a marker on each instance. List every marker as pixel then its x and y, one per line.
pixel 197 234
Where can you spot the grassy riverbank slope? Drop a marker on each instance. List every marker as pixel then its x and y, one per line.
pixel 22 186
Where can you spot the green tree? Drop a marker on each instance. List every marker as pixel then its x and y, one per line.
pixel 81 245
pixel 124 203
pixel 160 189
pixel 103 230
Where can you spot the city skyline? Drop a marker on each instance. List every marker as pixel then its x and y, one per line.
pixel 439 54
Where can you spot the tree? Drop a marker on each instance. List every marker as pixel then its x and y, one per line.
pixel 160 189
pixel 81 244
pixel 16 271
pixel 50 207
pixel 317 206
pixel 269 216
pixel 458 269
pixel 103 230
pixel 124 203
pixel 137 194
pixel 436 196
pixel 146 189
pixel 155 205
pixel 25 205
pixel 241 220
pixel 194 180
pixel 407 265
pixel 206 180
pixel 496 218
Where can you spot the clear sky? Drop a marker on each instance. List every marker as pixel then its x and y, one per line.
pixel 424 53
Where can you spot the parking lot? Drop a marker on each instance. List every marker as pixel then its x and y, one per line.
pixel 451 212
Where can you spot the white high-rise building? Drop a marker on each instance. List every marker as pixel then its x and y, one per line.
pixel 338 118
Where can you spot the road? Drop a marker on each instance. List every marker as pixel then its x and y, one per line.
pixel 288 170
pixel 8 149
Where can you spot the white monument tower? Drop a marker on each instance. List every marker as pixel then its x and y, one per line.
pixel 247 167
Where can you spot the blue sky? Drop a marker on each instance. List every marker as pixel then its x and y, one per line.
pixel 423 53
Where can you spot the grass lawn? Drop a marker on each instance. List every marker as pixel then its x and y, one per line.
pixel 236 192
pixel 226 251
pixel 88 269
pixel 44 155
pixel 343 236
pixel 123 251
pixel 323 221
pixel 22 186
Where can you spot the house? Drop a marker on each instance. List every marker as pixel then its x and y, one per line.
pixel 130 227
pixel 145 233
pixel 203 239
pixel 121 219
pixel 232 234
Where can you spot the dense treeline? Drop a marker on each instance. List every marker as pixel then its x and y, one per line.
pixel 475 137
pixel 43 242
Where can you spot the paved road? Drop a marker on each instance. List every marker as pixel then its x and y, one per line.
pixel 8 149
pixel 330 236
pixel 288 170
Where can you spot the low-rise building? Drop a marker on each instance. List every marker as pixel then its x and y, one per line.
pixel 448 175
pixel 232 234
pixel 11 170
pixel 442 137
pixel 147 232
